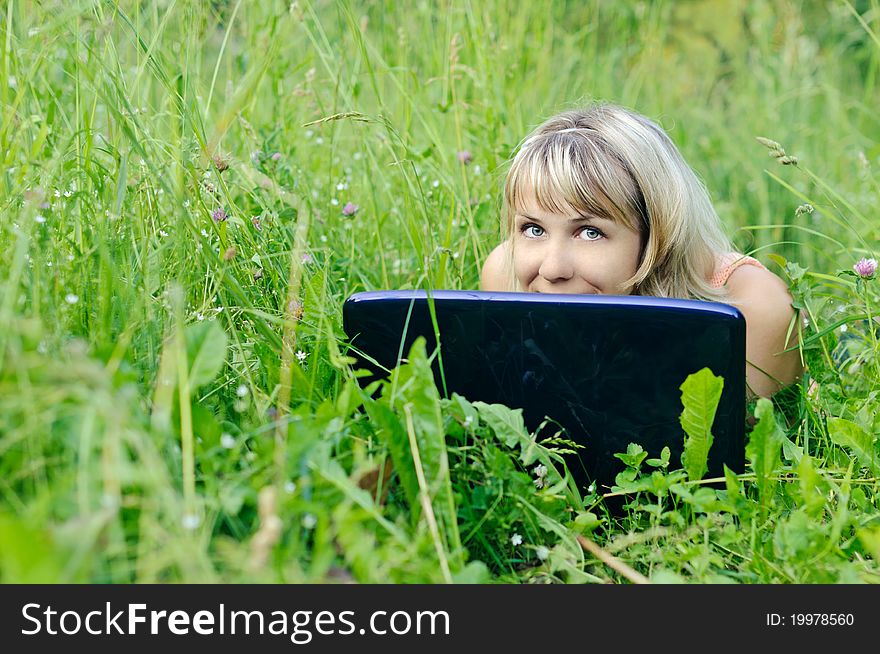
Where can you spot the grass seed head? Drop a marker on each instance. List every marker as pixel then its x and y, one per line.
pixel 295 309
pixel 221 163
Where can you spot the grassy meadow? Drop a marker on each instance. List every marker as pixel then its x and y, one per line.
pixel 190 189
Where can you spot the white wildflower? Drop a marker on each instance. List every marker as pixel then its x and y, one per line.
pixel 71 298
pixel 227 441
pixel 540 473
pixel 40 218
pixel 309 521
pixel 515 540
pixel 289 487
pixel 301 356
pixel 242 390
pixel 190 521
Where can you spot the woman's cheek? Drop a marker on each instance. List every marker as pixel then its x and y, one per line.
pixel 518 262
pixel 524 268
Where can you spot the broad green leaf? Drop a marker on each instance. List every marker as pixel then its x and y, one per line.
pixel 663 461
pixel 586 522
pixel 415 391
pixel 471 416
pixel 870 539
pixel 414 382
pixel 732 485
pixel 205 425
pixel 797 535
pixel 474 572
pixel 850 435
pixel 205 351
pixel 791 452
pixel 634 456
pixel 811 487
pixel 763 450
pixel 389 427
pixel 510 429
pixel 349 398
pixel 332 472
pixel 700 394
pixel 507 423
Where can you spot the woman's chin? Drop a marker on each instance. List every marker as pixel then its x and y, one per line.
pixel 567 291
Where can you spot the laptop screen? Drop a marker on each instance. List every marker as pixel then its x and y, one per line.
pixel 605 369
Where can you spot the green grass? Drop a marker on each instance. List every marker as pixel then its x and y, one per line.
pixel 175 403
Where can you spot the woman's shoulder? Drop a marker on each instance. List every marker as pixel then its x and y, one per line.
pixel 495 275
pixel 771 329
pixel 758 287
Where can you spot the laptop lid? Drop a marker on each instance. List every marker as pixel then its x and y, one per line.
pixel 605 368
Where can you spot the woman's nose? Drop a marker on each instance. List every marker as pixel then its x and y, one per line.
pixel 557 264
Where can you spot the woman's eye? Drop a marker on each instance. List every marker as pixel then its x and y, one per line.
pixel 533 231
pixel 591 234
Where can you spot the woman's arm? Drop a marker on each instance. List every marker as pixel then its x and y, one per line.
pixel 765 302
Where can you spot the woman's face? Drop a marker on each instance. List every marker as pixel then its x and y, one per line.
pixel 571 253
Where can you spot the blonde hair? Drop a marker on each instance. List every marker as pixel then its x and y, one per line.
pixel 614 163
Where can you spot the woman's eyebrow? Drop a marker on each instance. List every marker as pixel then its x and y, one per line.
pixel 571 221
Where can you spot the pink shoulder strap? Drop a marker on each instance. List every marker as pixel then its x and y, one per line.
pixel 727 263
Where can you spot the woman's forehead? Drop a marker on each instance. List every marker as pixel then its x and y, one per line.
pixel 531 199
pixel 545 193
pixel 542 190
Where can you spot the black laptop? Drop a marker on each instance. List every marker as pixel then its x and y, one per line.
pixel 605 368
